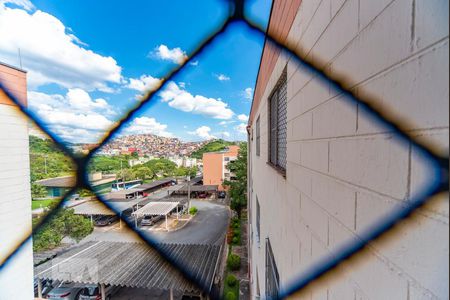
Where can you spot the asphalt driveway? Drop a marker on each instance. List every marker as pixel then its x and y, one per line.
pixel 207 227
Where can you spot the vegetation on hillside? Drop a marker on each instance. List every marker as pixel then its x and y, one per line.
pixel 215 145
pixel 238 186
pixel 46 161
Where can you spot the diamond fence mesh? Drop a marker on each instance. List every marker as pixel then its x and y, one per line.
pixel 237 14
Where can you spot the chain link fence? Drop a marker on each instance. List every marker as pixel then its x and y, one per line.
pixel 237 14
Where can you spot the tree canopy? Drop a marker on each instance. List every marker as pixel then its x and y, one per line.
pixel 213 146
pixel 238 186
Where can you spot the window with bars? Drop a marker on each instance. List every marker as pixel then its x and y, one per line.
pixel 258 137
pixel 272 276
pixel 278 124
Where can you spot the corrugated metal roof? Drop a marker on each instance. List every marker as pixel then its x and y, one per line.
pixel 195 188
pixel 156 208
pixel 134 265
pixel 63 181
pixel 156 183
pixel 92 208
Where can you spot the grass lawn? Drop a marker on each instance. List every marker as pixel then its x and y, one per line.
pixel 44 203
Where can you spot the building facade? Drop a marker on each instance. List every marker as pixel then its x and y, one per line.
pixel 215 166
pixel 322 171
pixel 16 277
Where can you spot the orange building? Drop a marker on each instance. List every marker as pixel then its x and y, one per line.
pixel 214 166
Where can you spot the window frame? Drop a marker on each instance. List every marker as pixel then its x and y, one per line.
pixel 258 136
pixel 273 136
pixel 271 272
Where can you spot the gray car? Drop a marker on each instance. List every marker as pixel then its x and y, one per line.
pixel 65 291
pixel 93 292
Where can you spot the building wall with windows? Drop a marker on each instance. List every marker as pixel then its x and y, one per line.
pixel 343 170
pixel 16 277
pixel 215 166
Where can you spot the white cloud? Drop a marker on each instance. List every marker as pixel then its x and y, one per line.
pixel 25 4
pixel 241 128
pixel 50 51
pixel 175 55
pixel 144 125
pixel 144 83
pixel 222 77
pixel 242 118
pixel 203 132
pixel 184 101
pixel 248 93
pixel 194 63
pixel 75 117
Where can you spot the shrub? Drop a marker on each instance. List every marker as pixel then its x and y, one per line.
pixel 193 210
pixel 230 296
pixel 234 262
pixel 236 232
pixel 231 280
pixel 235 240
pixel 235 225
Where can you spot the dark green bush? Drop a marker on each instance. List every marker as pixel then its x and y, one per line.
pixel 231 280
pixel 235 240
pixel 230 296
pixel 233 262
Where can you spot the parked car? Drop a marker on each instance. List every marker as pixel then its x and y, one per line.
pixel 106 220
pixel 93 292
pixel 150 220
pixel 202 195
pixel 65 291
pixel 46 287
pixel 222 194
pixel 75 197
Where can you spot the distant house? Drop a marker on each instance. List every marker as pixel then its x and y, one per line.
pixel 58 186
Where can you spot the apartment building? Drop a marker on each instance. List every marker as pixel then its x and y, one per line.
pixel 322 170
pixel 16 277
pixel 215 166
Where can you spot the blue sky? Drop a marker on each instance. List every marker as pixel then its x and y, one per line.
pixel 88 62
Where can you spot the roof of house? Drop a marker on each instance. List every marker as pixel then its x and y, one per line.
pixel 63 181
pixel 135 265
pixel 195 188
pixel 156 183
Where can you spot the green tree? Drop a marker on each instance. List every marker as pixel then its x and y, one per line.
pixel 212 146
pixel 238 186
pixel 38 191
pixel 144 173
pixel 63 224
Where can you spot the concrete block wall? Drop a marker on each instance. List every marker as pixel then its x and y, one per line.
pixel 16 277
pixel 344 169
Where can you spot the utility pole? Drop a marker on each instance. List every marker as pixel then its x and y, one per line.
pixel 189 192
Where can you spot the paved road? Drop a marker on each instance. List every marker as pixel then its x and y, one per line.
pixel 207 227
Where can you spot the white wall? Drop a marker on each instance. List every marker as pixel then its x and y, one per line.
pixel 345 171
pixel 16 278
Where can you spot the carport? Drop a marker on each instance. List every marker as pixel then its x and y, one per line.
pixel 135 265
pixel 186 190
pixel 95 207
pixel 160 208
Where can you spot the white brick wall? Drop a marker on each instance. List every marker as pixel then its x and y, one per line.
pixel 344 170
pixel 16 278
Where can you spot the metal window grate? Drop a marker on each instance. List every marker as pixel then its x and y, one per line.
pixel 237 14
pixel 278 123
pixel 272 276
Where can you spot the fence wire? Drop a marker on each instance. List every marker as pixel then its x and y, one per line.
pixel 327 264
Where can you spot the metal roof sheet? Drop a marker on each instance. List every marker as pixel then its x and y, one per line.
pixel 156 183
pixel 97 208
pixel 134 265
pixel 195 188
pixel 160 208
